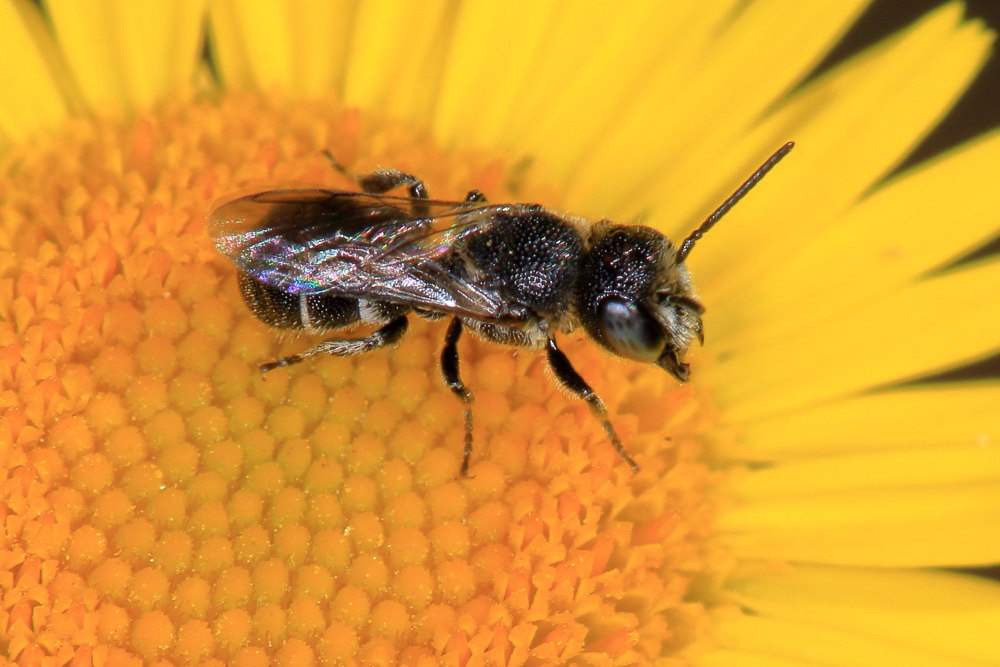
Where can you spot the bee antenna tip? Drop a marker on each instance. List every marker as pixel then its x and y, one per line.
pixel 727 205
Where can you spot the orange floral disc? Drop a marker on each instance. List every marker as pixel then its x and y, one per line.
pixel 164 501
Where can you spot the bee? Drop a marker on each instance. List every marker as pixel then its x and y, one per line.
pixel 516 274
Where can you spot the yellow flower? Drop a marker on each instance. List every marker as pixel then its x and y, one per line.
pixel 798 501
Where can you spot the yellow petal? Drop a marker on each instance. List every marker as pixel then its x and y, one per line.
pixel 879 245
pixel 730 657
pixel 599 58
pixel 84 31
pixel 904 526
pixel 911 80
pixel 247 57
pixel 492 55
pixel 806 643
pixel 931 326
pixel 322 32
pixel 960 415
pixel 691 112
pixel 32 99
pixel 160 47
pixel 943 615
pixel 394 60
pixel 923 468
pixel 272 45
pixel 227 43
pixel 128 55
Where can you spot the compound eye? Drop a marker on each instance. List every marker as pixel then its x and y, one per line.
pixel 630 331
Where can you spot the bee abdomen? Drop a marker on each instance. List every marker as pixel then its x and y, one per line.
pixel 284 310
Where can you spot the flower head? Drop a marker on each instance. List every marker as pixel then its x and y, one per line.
pixel 164 501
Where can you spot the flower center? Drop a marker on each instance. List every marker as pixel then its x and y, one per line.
pixel 164 500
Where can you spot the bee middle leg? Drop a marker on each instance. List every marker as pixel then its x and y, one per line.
pixel 347 347
pixel 449 368
pixel 567 375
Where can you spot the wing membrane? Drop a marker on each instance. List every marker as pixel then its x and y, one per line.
pixel 311 241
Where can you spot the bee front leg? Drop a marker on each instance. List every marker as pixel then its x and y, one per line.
pixel 449 368
pixel 347 347
pixel 567 375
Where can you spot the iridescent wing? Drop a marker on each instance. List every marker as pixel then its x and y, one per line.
pixel 312 241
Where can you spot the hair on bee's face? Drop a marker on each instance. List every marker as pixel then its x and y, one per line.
pixel 635 300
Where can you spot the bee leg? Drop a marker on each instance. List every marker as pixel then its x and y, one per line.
pixel 387 335
pixel 381 181
pixel 449 367
pixel 570 379
pixel 475 197
pixel 336 165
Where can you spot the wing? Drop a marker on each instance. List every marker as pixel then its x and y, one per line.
pixel 310 241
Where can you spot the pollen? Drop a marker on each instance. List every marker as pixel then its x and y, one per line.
pixel 189 509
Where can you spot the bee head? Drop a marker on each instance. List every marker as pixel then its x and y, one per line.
pixel 634 294
pixel 635 299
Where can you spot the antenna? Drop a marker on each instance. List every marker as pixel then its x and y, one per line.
pixel 733 198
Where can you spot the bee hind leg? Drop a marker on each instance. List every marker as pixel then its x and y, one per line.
pixel 347 347
pixel 381 181
pixel 567 375
pixel 449 368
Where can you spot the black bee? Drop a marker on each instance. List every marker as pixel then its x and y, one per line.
pixel 515 274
